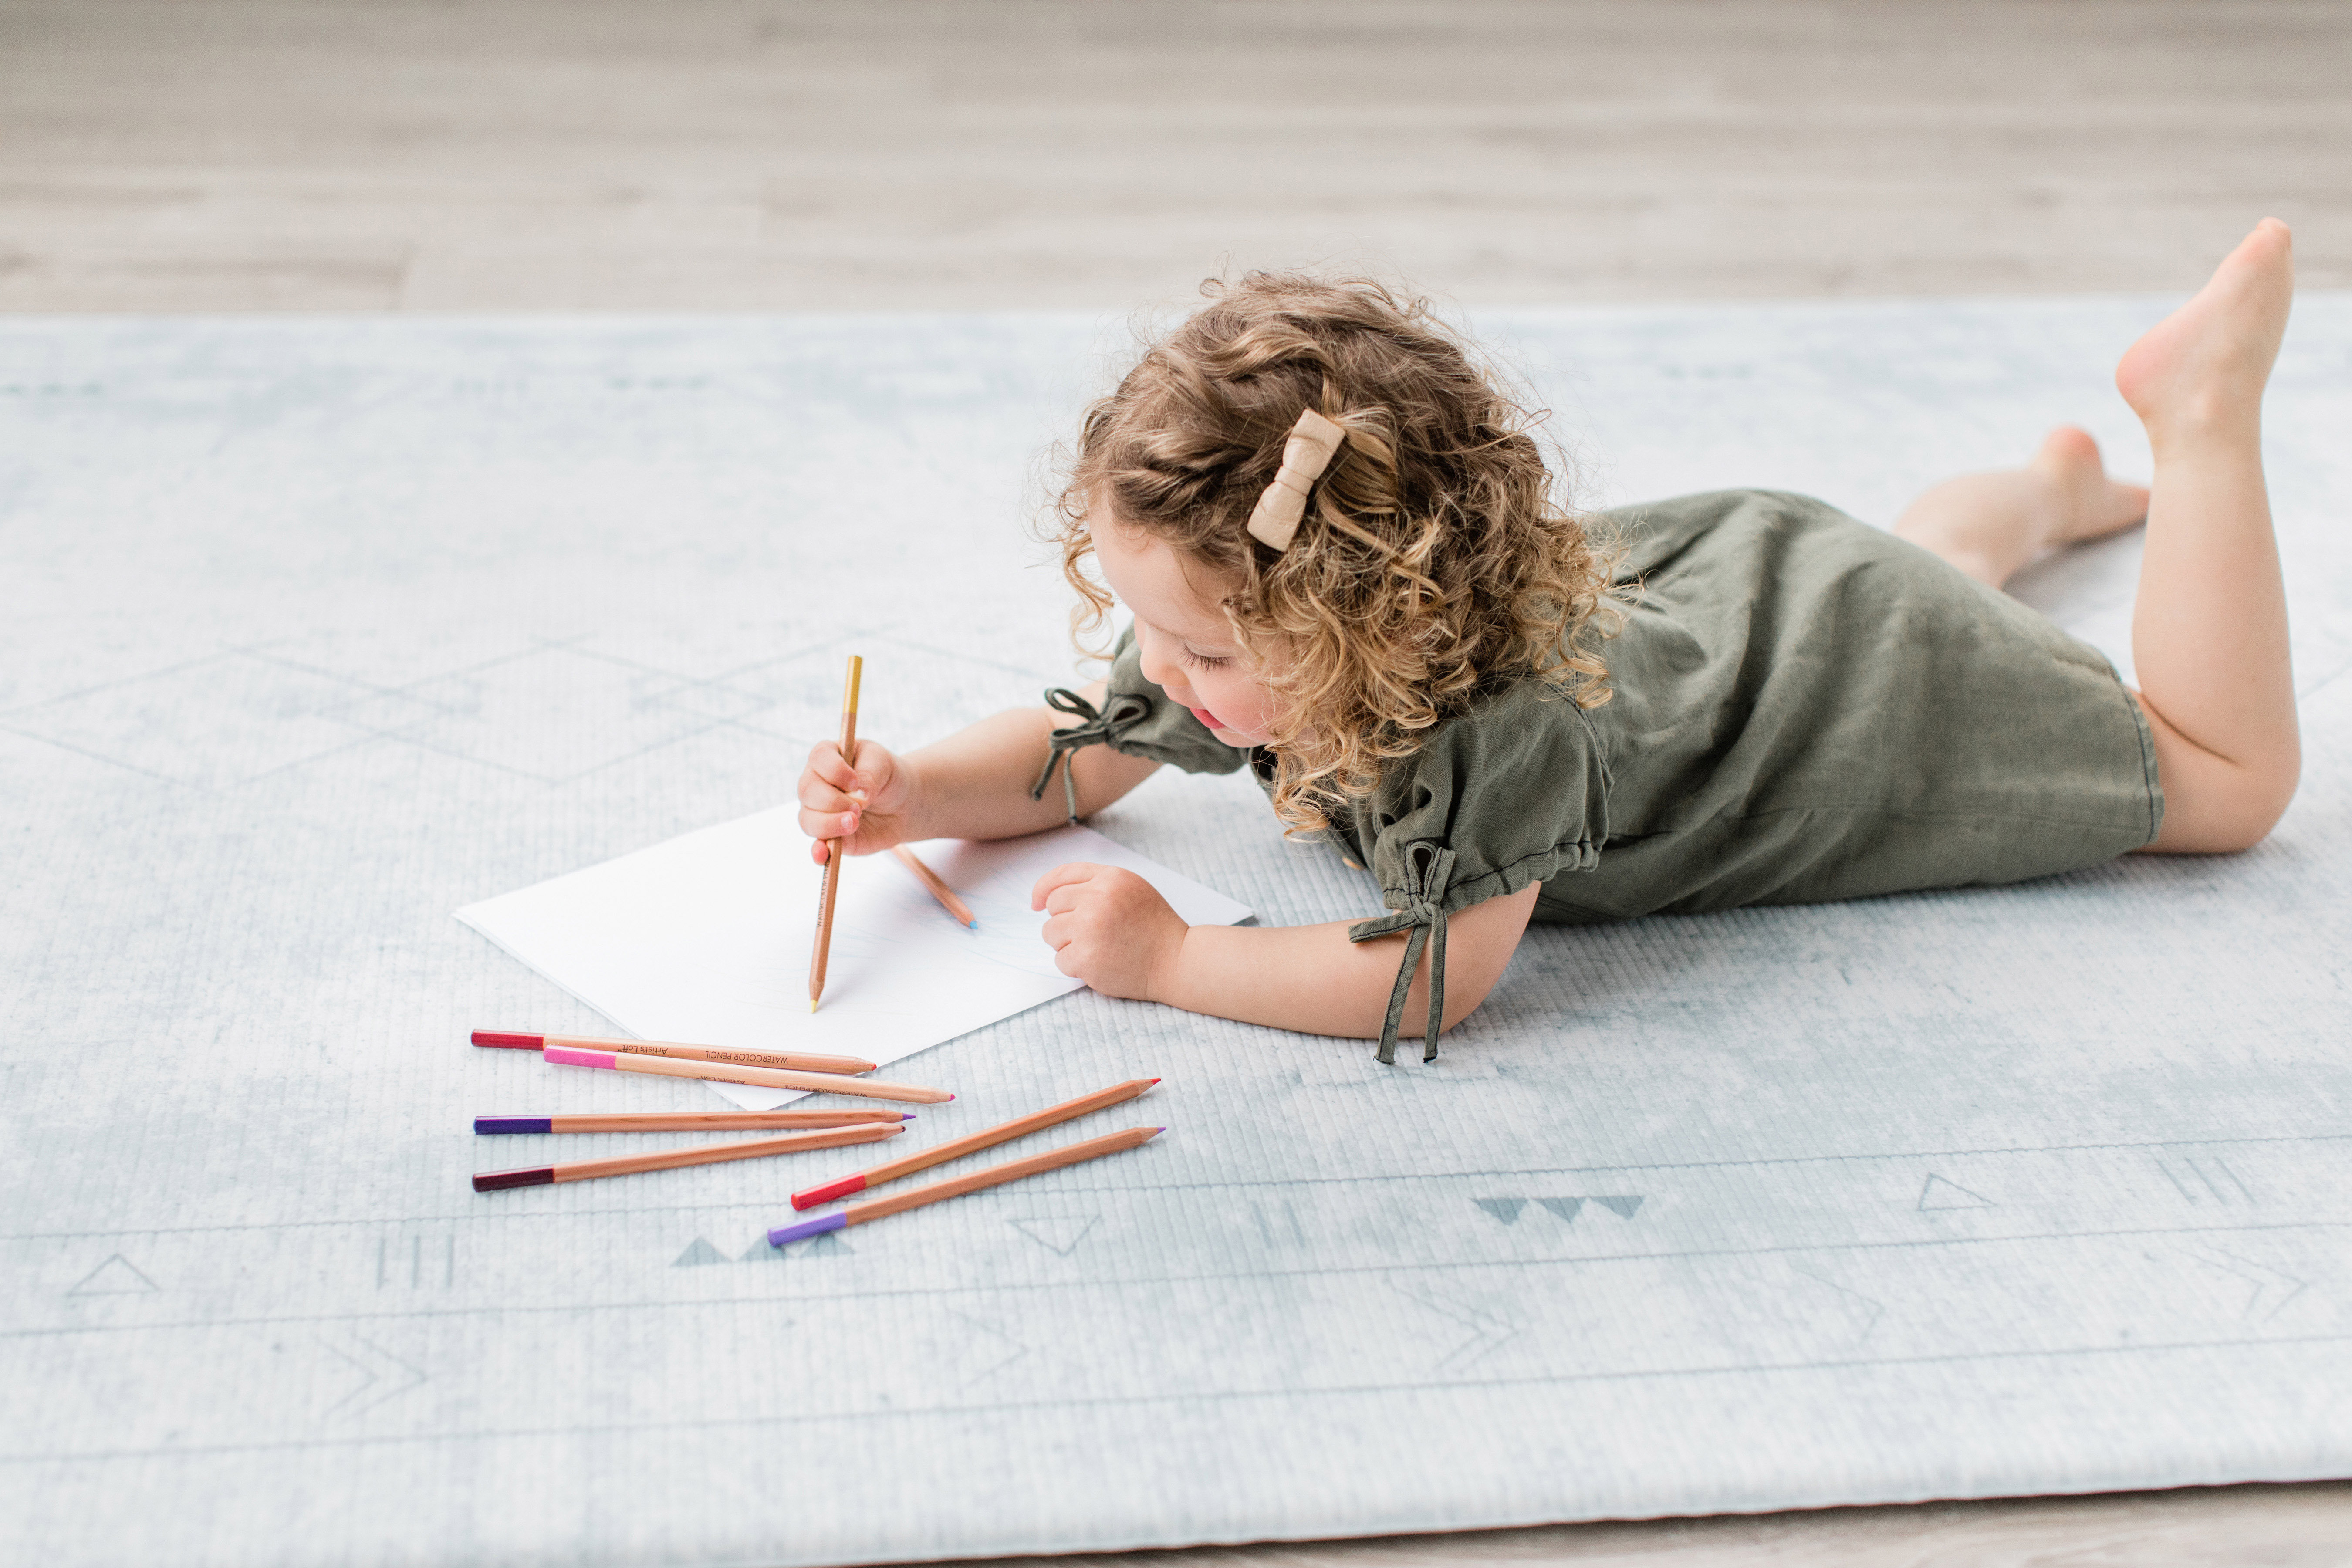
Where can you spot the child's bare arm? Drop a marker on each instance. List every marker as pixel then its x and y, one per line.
pixel 972 784
pixel 1112 929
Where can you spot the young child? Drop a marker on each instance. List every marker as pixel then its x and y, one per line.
pixel 1348 573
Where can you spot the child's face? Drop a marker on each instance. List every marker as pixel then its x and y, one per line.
pixel 1187 644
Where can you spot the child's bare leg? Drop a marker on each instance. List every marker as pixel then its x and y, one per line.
pixel 1990 525
pixel 2209 631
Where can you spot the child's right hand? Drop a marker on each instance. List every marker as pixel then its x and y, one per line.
pixel 869 805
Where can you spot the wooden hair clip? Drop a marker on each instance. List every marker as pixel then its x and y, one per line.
pixel 1305 453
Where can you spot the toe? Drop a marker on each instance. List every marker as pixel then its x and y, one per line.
pixel 2068 448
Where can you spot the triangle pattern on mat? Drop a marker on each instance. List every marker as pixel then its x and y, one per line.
pixel 118 1275
pixel 1623 1208
pixel 1504 1209
pixel 1056 1232
pixel 1940 1194
pixel 699 1253
pixel 1564 1207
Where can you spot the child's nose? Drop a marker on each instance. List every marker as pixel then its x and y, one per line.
pixel 1166 676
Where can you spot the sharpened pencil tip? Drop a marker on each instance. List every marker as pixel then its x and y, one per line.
pixel 972 925
pixel 812 1003
pixel 1157 1080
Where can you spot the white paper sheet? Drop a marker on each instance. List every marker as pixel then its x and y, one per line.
pixel 706 938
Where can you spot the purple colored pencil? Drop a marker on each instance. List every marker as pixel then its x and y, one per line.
pixel 690 1121
pixel 671 1159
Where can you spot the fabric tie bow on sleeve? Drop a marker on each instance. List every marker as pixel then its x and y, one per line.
pixel 1094 727
pixel 1428 869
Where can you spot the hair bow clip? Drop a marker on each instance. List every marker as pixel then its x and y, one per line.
pixel 1305 453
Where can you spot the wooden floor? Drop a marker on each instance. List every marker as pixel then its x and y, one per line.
pixel 765 155
pixel 184 155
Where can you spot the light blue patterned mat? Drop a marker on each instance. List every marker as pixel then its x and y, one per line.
pixel 318 629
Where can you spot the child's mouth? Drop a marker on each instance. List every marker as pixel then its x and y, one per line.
pixel 1206 717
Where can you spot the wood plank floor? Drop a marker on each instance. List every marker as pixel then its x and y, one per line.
pixel 764 155
pixel 2242 1527
pixel 242 155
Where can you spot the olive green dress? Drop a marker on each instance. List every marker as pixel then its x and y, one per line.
pixel 1804 708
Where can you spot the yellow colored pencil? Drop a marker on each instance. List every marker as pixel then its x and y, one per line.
pixel 833 846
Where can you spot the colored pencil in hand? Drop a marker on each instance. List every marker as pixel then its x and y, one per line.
pixel 727 1072
pixel 1011 1171
pixel 939 890
pixel 832 856
pixel 806 1061
pixel 671 1159
pixel 690 1120
pixel 924 1158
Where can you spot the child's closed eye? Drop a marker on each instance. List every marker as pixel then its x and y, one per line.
pixel 1205 661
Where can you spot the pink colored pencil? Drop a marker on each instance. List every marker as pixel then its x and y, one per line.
pixel 727 1072
pixel 804 1061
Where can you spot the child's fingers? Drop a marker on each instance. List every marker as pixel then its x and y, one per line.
pixel 821 798
pixel 826 771
pixel 818 796
pixel 1059 877
pixel 825 761
pixel 830 824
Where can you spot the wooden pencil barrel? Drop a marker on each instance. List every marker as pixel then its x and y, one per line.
pixel 715 1153
pixel 798 1061
pixel 833 853
pixel 1011 1171
pixel 776 1077
pixel 718 1120
pixel 973 1144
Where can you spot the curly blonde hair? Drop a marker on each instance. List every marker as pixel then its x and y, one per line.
pixel 1437 562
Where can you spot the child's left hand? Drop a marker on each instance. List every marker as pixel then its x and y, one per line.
pixel 1111 928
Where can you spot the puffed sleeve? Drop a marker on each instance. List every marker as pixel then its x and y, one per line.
pixel 1136 718
pixel 1514 793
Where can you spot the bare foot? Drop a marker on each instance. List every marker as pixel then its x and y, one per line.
pixel 2089 504
pixel 2204 366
